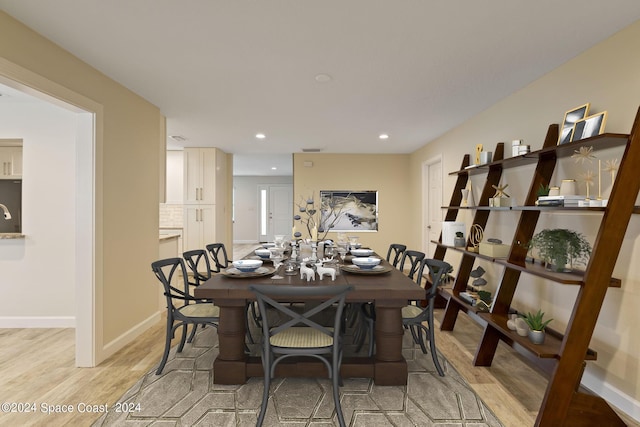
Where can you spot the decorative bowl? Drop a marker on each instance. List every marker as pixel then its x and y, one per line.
pixel 362 252
pixel 247 265
pixel 263 253
pixel 366 263
pixel 268 245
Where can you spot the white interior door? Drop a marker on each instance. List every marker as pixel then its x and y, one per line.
pixel 432 204
pixel 276 210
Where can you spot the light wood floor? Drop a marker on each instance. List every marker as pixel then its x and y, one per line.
pixel 37 366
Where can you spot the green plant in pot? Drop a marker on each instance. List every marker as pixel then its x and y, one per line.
pixel 536 323
pixel 543 190
pixel 560 248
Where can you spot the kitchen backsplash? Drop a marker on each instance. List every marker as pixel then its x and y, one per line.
pixel 170 216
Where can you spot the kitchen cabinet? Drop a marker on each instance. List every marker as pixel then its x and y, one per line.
pixel 199 226
pixel 11 162
pixel 200 175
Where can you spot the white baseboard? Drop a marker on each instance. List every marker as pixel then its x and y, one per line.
pixel 611 394
pixel 12 322
pixel 120 342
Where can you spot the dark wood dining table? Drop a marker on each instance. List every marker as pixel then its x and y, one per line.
pixel 389 291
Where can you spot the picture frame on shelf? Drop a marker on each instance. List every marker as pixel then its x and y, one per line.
pixel 589 126
pixel 570 118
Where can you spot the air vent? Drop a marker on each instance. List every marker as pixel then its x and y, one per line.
pixel 178 138
pixel 310 150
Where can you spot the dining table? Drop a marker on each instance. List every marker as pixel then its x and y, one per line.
pixel 386 287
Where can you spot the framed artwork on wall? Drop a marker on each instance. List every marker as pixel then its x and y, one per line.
pixel 570 119
pixel 350 211
pixel 589 126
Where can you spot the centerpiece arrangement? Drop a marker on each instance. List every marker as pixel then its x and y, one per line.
pixel 310 216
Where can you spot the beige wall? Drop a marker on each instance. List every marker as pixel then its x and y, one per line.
pixel 127 171
pixel 607 76
pixel 388 174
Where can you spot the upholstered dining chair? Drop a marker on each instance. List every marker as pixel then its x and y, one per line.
pixel 298 334
pixel 182 308
pixel 411 260
pixel 414 316
pixel 395 252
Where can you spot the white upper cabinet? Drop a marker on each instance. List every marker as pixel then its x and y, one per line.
pixel 11 162
pixel 199 175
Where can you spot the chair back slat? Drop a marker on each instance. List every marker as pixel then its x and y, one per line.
pixel 168 271
pixel 218 253
pixel 395 252
pixel 198 262
pixel 413 259
pixel 437 269
pixel 267 297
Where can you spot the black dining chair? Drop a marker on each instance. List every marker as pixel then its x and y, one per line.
pixel 182 308
pixel 299 334
pixel 367 310
pixel 414 316
pixel 221 261
pixel 198 263
pixel 411 260
pixel 395 252
pixel 219 256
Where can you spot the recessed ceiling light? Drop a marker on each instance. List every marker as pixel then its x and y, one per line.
pixel 323 78
pixel 383 136
pixel 274 168
pixel 261 135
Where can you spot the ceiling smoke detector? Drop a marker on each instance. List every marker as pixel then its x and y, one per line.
pixel 178 138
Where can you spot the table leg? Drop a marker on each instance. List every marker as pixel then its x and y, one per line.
pixel 390 365
pixel 230 365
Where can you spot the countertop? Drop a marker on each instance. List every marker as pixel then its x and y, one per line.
pixel 11 236
pixel 169 236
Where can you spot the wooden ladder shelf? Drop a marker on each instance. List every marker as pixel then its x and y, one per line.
pixel 562 356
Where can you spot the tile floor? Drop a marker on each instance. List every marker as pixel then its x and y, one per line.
pixel 185 395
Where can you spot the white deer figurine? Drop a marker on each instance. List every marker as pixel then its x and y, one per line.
pixel 307 271
pixel 325 270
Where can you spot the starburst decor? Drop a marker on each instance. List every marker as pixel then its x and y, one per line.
pixel 500 190
pixel 611 166
pixel 587 177
pixel 582 155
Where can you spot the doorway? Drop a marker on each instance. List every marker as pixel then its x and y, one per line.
pixel 274 207
pixel 431 204
pixel 87 287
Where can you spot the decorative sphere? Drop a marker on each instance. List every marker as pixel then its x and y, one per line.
pixel 297 234
pixel 296 217
pixel 303 209
pixel 309 201
pixel 321 229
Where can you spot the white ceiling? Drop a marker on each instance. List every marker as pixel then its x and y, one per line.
pixel 222 71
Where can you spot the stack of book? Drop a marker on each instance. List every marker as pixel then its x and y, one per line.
pixel 571 200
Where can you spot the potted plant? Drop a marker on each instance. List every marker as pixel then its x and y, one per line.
pixel 560 248
pixel 543 190
pixel 536 324
pixel 459 239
